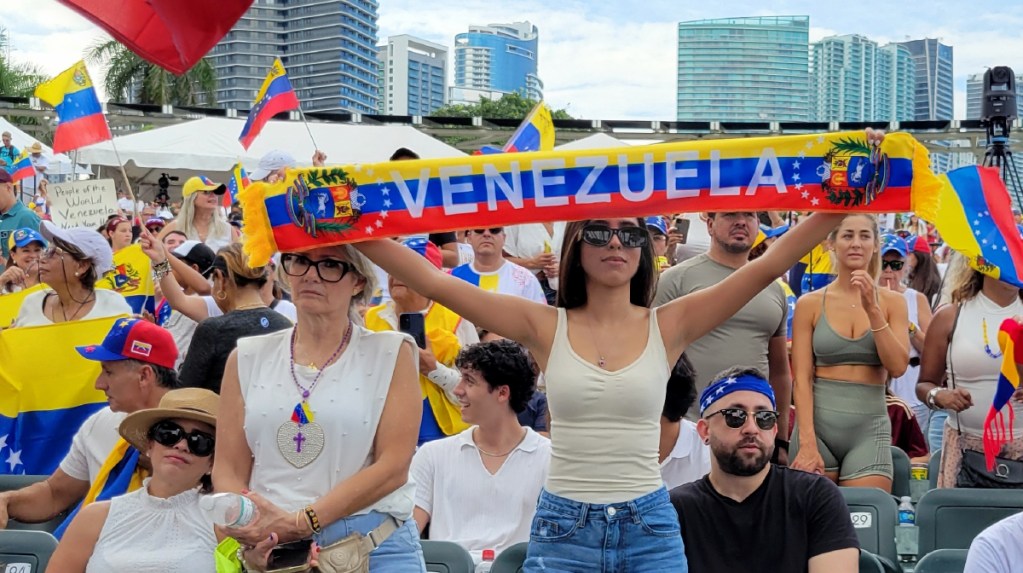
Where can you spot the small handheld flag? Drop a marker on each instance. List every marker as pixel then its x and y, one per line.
pixel 274 97
pixel 72 94
pixel 1010 339
pixel 535 134
pixel 22 167
pixel 238 181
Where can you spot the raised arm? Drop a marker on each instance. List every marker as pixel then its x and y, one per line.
pixel 512 317
pixel 690 317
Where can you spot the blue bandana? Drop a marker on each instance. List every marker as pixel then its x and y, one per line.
pixel 724 387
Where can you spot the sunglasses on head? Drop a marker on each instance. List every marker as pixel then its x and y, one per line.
pixel 735 418
pixel 893 265
pixel 493 231
pixel 168 434
pixel 599 235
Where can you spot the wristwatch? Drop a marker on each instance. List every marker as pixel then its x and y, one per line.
pixel 930 397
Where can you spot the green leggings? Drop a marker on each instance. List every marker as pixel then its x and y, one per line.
pixel 854 434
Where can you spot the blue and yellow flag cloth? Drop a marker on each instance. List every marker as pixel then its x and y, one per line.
pixel 73 96
pixel 133 278
pixel 10 304
pixel 996 432
pixel 119 474
pixel 46 391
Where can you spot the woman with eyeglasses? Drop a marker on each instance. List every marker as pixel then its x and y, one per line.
pixel 26 246
pixel 606 358
pixel 237 288
pixel 894 251
pixel 846 340
pixel 76 259
pixel 320 421
pixel 201 217
pixel 159 527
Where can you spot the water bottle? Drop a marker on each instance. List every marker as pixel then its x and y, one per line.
pixel 229 509
pixel 487 562
pixel 907 516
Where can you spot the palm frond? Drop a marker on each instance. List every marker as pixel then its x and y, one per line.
pixel 852 145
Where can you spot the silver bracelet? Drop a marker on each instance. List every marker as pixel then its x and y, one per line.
pixel 162 269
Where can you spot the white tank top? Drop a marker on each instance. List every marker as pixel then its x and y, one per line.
pixel 605 426
pixel 347 403
pixel 975 371
pixel 147 534
pixel 905 386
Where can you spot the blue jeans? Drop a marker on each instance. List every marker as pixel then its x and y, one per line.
pixel 936 430
pixel 632 536
pixel 400 553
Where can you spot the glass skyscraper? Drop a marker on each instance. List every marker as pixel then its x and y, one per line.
pixel 852 79
pixel 744 69
pixel 413 76
pixel 327 46
pixel 933 92
pixel 499 57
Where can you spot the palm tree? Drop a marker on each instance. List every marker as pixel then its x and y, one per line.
pixel 16 78
pixel 127 77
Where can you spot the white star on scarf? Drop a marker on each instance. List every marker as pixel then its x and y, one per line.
pixel 815 201
pixel 805 194
pixel 387 203
pixel 795 165
pixel 14 460
pixel 369 229
pixel 3 441
pixel 799 186
pixel 820 139
pixel 383 214
pixel 379 224
pixel 801 154
pixel 795 177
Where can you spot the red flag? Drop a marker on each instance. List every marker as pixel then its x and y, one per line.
pixel 173 34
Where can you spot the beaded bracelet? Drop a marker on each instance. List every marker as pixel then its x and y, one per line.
pixel 314 522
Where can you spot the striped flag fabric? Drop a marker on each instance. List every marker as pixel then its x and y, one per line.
pixel 275 96
pixel 72 94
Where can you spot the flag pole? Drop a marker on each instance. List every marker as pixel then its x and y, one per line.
pixel 307 128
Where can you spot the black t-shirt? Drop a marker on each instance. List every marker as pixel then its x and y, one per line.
pixel 441 239
pixel 790 518
pixel 216 337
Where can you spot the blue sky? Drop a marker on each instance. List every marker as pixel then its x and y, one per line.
pixel 610 60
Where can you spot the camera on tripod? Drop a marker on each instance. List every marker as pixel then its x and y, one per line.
pixel 163 197
pixel 997 113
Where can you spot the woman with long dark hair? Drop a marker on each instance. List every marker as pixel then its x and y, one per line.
pixel 923 271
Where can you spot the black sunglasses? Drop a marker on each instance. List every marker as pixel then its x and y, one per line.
pixel 736 417
pixel 893 265
pixel 329 270
pixel 493 231
pixel 168 434
pixel 600 235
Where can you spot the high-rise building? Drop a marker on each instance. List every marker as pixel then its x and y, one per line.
pixel 414 76
pixel 327 46
pixel 975 91
pixel 852 79
pixel 744 69
pixel 499 57
pixel 933 92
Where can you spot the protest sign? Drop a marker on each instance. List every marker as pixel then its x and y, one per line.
pixel 82 203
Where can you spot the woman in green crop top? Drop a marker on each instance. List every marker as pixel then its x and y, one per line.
pixel 846 340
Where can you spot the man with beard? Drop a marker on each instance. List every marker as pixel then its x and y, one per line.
pixel 776 519
pixel 756 335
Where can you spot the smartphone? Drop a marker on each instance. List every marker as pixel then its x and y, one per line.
pixel 288 555
pixel 682 226
pixel 413 324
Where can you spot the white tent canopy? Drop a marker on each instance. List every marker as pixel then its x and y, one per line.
pixel 60 164
pixel 210 147
pixel 595 141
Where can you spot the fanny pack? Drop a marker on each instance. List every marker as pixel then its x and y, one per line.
pixel 351 554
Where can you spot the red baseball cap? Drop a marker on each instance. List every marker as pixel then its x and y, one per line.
pixel 134 339
pixel 918 244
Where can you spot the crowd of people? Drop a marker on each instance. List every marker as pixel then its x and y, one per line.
pixel 619 393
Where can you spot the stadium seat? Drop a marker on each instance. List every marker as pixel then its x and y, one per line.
pixel 875 514
pixel 934 468
pixel 12 482
pixel 942 561
pixel 447 557
pixel 951 518
pixel 900 481
pixel 32 548
pixel 510 560
pixel 869 563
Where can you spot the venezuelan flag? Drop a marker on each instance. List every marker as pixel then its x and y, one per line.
pixel 22 167
pixel 820 271
pixel 238 181
pixel 535 134
pixel 976 220
pixel 119 474
pixel 44 400
pixel 10 304
pixel 1010 340
pixel 275 96
pixel 81 117
pixel 133 278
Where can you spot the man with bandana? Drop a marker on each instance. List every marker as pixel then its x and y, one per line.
pixel 779 519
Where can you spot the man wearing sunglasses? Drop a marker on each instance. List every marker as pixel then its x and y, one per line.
pixel 785 520
pixel 757 334
pixel 137 368
pixel 490 271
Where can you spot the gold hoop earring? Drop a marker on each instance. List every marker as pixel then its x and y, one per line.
pixel 222 295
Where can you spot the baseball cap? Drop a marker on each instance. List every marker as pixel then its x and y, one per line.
pixel 918 244
pixel 427 249
pixel 202 183
pixel 657 224
pixel 196 253
pixel 134 339
pixel 273 160
pixel 21 238
pixel 894 243
pixel 5 177
pixel 88 241
pixel 155 222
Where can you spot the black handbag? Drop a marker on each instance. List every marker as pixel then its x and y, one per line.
pixel 973 472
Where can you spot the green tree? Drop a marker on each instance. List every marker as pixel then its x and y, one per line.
pixel 510 106
pixel 127 77
pixel 17 79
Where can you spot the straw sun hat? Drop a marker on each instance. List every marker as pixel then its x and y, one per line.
pixel 196 404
